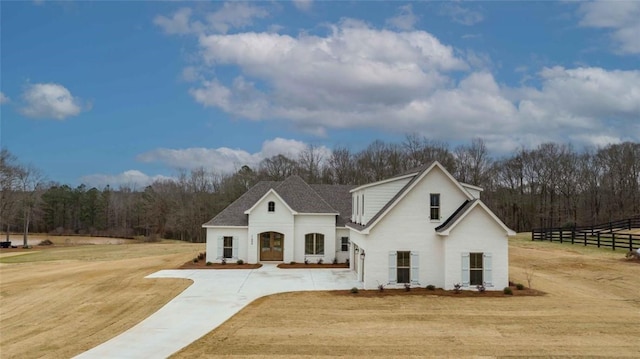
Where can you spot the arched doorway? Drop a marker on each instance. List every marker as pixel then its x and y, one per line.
pixel 271 246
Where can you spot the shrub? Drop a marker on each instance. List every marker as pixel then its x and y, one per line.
pixel 407 287
pixel 195 260
pixel 208 263
pixel 46 242
pixel 519 286
pixel 292 262
pixel 306 261
pixel 202 255
pixel 240 262
pixel 320 261
pixel 335 260
pixel 481 288
pixel 507 291
pixel 354 290
pixel 457 287
pixel 223 261
pixel 380 287
pixel 347 261
pixel 431 287
pixel 511 284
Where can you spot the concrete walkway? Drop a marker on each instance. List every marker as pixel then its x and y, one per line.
pixel 214 297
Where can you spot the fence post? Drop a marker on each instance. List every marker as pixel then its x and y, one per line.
pixel 561 236
pixel 585 238
pixel 613 241
pixel 573 234
pixel 630 243
pixel 598 239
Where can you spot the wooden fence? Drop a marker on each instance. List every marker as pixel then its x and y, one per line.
pixel 609 234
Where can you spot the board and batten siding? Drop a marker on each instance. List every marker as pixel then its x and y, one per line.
pixel 375 197
pixel 477 233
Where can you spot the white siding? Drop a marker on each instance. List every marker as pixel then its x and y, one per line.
pixel 477 233
pixel 340 255
pixel 239 236
pixel 324 224
pixel 281 221
pixel 407 227
pixel 375 197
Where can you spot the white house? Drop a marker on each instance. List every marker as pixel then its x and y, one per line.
pixel 420 228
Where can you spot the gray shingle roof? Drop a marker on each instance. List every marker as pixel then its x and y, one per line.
pixel 466 205
pixel 298 195
pixel 234 215
pixel 339 197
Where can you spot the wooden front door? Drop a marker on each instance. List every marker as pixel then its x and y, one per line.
pixel 271 246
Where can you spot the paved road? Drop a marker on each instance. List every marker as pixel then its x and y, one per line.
pixel 214 297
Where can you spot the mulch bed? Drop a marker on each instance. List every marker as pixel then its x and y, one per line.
pixel 203 265
pixel 439 293
pixel 312 265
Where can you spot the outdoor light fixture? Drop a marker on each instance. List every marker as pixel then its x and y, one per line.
pixel 362 254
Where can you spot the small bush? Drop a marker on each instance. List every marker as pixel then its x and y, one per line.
pixel 407 287
pixel 507 291
pixel 347 261
pixel 223 261
pixel 208 263
pixel 306 261
pixel 519 286
pixel 202 255
pixel 335 260
pixel 511 284
pixel 354 290
pixel 380 287
pixel 46 242
pixel 240 262
pixel 431 287
pixel 320 260
pixel 481 288
pixel 292 262
pixel 195 260
pixel 457 287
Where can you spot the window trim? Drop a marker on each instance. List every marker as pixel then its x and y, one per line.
pixel 343 244
pixel 405 268
pixel 226 247
pixel 437 206
pixel 316 239
pixel 474 269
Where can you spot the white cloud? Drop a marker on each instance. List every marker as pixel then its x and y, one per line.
pixel 405 19
pixel 622 17
pixel 230 16
pixel 462 15
pixel 358 77
pixel 224 159
pixel 4 99
pixel 179 23
pixel 131 178
pixel 304 5
pixel 235 15
pixel 49 100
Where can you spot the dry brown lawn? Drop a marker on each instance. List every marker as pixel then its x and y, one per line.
pixel 59 301
pixel 592 308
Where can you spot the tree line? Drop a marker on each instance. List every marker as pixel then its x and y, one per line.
pixel 549 185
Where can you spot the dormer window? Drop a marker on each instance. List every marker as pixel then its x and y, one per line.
pixel 271 206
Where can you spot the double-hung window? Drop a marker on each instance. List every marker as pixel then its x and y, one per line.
pixel 344 244
pixel 434 206
pixel 403 267
pixel 227 247
pixel 476 269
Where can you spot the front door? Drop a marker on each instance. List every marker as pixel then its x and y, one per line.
pixel 271 246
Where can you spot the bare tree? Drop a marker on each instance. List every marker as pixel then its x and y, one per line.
pixel 8 183
pixel 30 182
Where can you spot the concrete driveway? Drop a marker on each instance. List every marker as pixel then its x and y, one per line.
pixel 214 297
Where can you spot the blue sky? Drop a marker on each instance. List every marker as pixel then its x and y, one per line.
pixel 127 92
